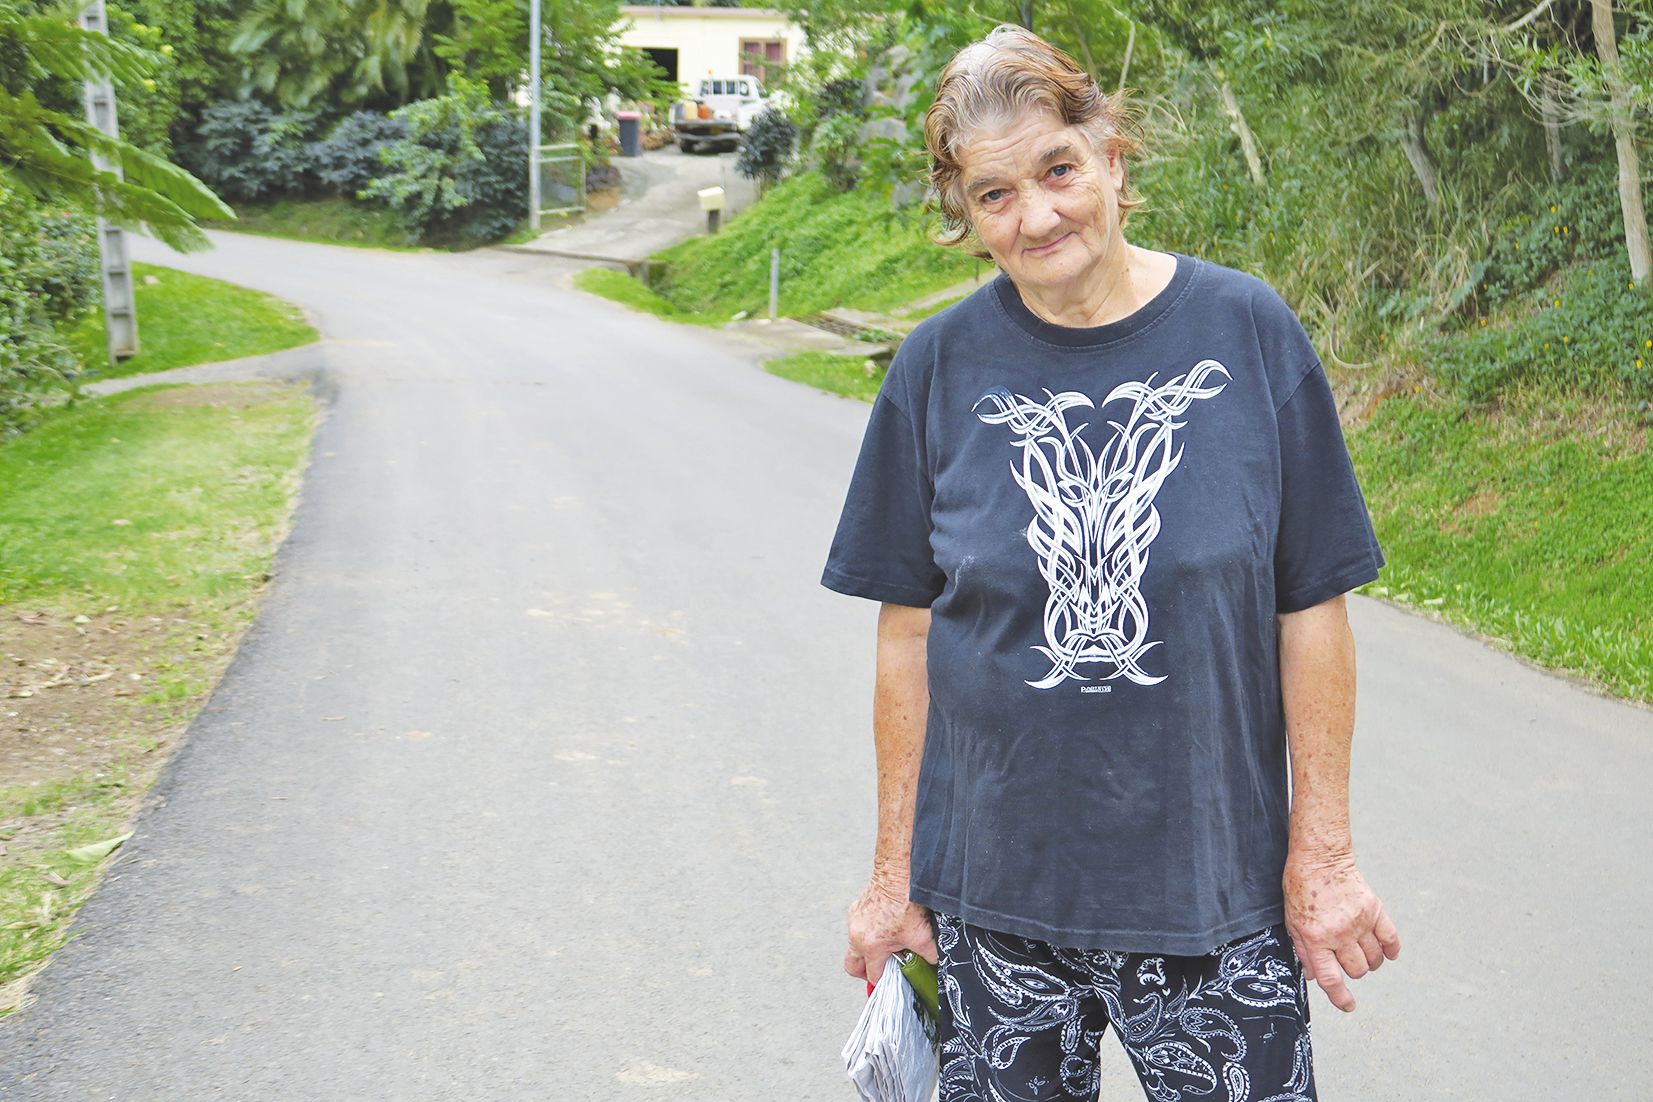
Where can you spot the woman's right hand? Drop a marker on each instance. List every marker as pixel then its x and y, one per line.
pixel 882 921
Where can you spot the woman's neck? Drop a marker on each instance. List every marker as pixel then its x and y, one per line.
pixel 1116 287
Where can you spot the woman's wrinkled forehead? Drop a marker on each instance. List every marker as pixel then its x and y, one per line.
pixel 1021 143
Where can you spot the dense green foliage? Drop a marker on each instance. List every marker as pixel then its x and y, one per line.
pixel 349 158
pixel 47 146
pixel 245 150
pixel 453 177
pixel 48 274
pixel 768 143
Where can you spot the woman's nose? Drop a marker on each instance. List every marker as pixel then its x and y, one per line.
pixel 1039 216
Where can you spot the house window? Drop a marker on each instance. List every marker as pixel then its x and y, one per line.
pixel 762 58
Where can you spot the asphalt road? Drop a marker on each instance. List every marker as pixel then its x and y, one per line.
pixel 602 783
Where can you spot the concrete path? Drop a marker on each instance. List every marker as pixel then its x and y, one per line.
pixel 545 772
pixel 658 207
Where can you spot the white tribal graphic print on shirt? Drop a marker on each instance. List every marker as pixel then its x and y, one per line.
pixel 1094 516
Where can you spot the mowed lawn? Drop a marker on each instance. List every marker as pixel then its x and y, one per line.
pixel 137 533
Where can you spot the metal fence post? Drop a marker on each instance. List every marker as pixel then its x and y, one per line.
pixel 120 305
pixel 774 282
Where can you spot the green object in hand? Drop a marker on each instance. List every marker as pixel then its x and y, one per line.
pixel 921 976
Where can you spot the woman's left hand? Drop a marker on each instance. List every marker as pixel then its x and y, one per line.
pixel 1337 923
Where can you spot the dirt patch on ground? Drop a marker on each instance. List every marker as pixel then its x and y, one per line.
pixel 237 395
pixel 91 708
pixel 74 689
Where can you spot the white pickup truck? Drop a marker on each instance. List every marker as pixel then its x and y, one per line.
pixel 719 112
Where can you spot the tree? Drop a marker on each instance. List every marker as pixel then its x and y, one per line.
pixel 1579 74
pixel 768 144
pixel 47 151
pixel 342 53
pixel 1619 115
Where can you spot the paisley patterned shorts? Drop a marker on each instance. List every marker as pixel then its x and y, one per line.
pixel 1021 1019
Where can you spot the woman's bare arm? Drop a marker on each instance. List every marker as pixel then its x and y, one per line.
pixel 882 920
pixel 1336 920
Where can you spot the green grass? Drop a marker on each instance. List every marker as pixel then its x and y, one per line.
pixel 168 502
pixel 846 375
pixel 34 911
pixel 188 319
pixel 133 499
pixel 922 312
pixel 1529 525
pixel 837 249
pixel 332 220
pixel 621 288
pixel 335 220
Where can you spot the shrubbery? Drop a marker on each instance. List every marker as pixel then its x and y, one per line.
pixel 244 150
pixel 769 142
pixel 48 275
pixel 456 176
pixel 348 159
pixel 450 167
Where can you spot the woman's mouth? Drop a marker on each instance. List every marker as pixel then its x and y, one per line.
pixel 1043 249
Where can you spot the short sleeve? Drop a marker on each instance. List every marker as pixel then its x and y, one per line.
pixel 1325 544
pixel 882 548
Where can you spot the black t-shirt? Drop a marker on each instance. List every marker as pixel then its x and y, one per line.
pixel 1104 522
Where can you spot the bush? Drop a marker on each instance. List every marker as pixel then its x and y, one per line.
pixel 837 141
pixel 457 177
pixel 48 275
pixel 348 159
pixel 1591 327
pixel 768 144
pixel 244 150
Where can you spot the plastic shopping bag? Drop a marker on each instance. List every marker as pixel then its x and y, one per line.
pixel 891 1053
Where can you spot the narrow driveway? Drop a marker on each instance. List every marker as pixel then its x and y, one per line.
pixel 545 772
pixel 659 206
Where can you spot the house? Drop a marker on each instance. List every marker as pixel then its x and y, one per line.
pixel 690 43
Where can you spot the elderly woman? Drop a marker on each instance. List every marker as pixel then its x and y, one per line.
pixel 1108 511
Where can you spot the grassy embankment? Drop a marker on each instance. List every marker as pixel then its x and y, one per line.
pixel 138 531
pixel 1511 489
pixel 173 330
pixel 335 220
pixel 331 220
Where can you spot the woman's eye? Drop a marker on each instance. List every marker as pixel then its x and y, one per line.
pixel 993 196
pixel 1061 170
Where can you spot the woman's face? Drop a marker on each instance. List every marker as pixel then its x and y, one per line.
pixel 1044 204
